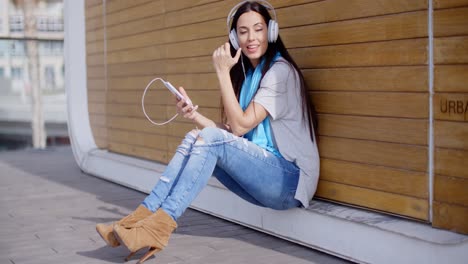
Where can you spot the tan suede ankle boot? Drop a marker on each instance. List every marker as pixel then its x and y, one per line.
pixel 153 232
pixel 106 231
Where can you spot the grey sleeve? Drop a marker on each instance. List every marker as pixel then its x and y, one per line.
pixel 272 93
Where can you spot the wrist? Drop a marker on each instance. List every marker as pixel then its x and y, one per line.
pixel 222 71
pixel 195 117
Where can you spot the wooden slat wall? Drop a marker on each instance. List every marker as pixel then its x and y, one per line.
pixel 366 68
pixel 96 72
pixel 366 64
pixel 451 115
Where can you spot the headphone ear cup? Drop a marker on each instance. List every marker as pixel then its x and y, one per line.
pixel 272 31
pixel 233 39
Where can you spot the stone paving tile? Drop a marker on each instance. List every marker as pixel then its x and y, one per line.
pixel 50 209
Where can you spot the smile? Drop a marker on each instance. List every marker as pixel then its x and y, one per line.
pixel 252 48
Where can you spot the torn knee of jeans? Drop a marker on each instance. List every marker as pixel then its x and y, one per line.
pixel 194 133
pixel 184 148
pixel 165 179
pixel 200 141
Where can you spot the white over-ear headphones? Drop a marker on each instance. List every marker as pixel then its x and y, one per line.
pixel 273 29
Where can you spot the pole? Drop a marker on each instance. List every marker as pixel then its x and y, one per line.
pixel 37 123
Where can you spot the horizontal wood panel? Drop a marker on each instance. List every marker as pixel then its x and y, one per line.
pixel 100 132
pixel 451 50
pixel 451 217
pixel 94 23
pixel 193 48
pixel 204 47
pixel 96 84
pixel 284 3
pixel 153 141
pixel 162 67
pixel 451 190
pixel 96 108
pixel 451 134
pixel 98 120
pixel 148 9
pixel 400 26
pixel 327 11
pixel 96 59
pixel 159 97
pixel 117 5
pixel 451 106
pixel 197 14
pixel 451 78
pixel 95 72
pixel 411 105
pixel 449 3
pixel 96 96
pixel 94 11
pixel 451 22
pixel 201 30
pixel 397 52
pixel 171 5
pixel 375 177
pixel 91 3
pixel 136 124
pixel 101 143
pixel 191 82
pixel 94 35
pixel 95 48
pixel 179 129
pixel 396 130
pixel 374 153
pixel 135 83
pixel 390 79
pixel 139 26
pixel 135 110
pixel 136 151
pixel 451 162
pixel 398 204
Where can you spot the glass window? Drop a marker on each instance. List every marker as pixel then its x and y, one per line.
pixel 2 72
pixel 16 73
pixel 18 48
pixel 49 74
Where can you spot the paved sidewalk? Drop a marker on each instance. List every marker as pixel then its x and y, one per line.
pixel 49 210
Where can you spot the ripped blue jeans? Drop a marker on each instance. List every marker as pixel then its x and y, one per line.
pixel 246 169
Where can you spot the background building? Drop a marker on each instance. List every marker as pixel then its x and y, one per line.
pixel 15 86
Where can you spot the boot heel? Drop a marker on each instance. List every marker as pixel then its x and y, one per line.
pixel 148 254
pixel 130 255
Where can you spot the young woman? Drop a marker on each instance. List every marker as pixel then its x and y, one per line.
pixel 265 151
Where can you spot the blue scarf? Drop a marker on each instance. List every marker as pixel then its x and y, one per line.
pixel 261 134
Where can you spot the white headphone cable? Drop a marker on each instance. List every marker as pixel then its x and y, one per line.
pixel 143 105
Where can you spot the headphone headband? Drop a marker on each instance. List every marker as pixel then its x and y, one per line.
pixel 233 11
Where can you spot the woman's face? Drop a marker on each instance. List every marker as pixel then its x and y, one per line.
pixel 252 34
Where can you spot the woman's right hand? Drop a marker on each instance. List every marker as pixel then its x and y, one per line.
pixel 185 108
pixel 222 59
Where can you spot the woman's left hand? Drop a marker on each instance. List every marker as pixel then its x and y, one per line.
pixel 222 59
pixel 185 107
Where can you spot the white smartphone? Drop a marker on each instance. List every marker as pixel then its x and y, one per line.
pixel 175 92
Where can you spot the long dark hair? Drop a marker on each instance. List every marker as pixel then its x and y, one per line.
pixel 237 73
